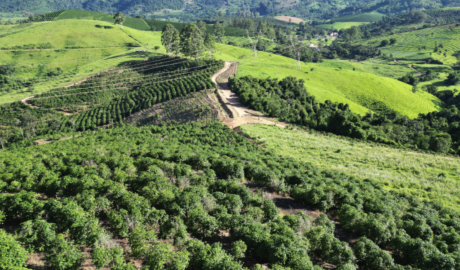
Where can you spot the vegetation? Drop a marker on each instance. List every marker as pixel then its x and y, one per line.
pixel 134 170
pixel 426 176
pixel 288 100
pixel 182 183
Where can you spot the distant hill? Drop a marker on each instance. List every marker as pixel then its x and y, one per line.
pixel 191 10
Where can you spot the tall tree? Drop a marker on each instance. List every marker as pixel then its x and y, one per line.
pixel 209 44
pixel 271 33
pixel 5 134
pixel 191 41
pixel 219 31
pixel 170 39
pixel 119 18
pixel 28 121
pixel 262 28
pixel 202 26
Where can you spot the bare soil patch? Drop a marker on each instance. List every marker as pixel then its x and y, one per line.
pixel 287 18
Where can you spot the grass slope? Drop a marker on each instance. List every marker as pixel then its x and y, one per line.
pixel 409 43
pixel 135 23
pixel 408 172
pixel 328 80
pixel 334 81
pixel 341 25
pixel 68 33
pixel 363 17
pixel 97 49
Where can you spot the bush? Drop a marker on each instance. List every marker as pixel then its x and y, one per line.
pixel 12 254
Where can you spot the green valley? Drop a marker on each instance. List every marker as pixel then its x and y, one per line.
pixel 210 135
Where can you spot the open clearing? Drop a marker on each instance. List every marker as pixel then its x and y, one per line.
pixel 426 176
pixel 289 19
pixel 341 25
pixel 363 17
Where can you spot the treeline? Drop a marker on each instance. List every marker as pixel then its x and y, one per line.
pixel 288 100
pixel 171 190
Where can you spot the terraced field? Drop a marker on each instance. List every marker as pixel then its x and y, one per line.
pixel 80 48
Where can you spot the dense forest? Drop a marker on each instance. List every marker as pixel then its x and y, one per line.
pixel 288 100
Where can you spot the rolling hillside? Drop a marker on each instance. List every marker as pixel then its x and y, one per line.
pixel 420 44
pixel 80 48
pixel 97 48
pixel 348 21
pixel 334 81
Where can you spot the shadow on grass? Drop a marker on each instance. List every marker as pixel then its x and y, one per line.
pixel 135 54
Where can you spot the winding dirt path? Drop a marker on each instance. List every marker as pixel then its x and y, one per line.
pixel 240 114
pixel 418 72
pixel 24 100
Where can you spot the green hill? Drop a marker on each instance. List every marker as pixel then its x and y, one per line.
pixel 363 17
pixel 80 48
pixel 403 171
pixel 97 48
pixel 420 44
pixel 334 81
pixel 348 21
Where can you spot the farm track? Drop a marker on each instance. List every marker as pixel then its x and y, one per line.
pixel 240 114
pixel 419 74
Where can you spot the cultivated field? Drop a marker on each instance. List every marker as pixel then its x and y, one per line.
pixel 327 81
pixel 289 19
pixel 81 48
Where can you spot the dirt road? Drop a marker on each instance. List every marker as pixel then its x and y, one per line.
pixel 242 115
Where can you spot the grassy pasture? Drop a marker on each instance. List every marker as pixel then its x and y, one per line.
pixel 409 45
pixel 135 23
pixel 335 81
pixel 409 172
pixel 106 49
pixel 363 17
pixel 385 68
pixel 68 33
pixel 341 25
pixel 330 80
